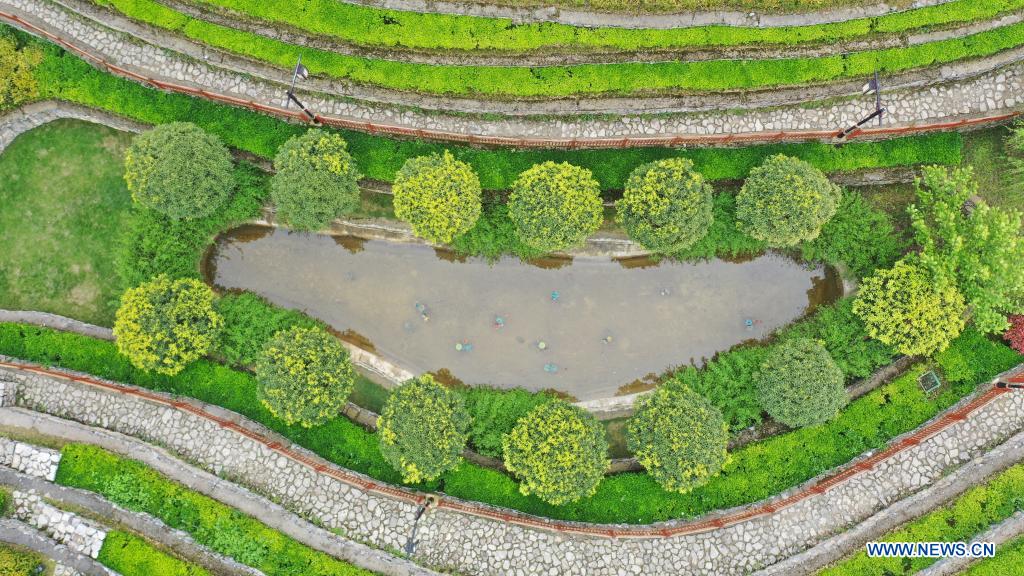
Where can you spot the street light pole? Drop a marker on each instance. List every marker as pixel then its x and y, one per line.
pixel 873 85
pixel 303 72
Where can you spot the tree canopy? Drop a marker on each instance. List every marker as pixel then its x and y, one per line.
pixel 316 180
pixel 438 196
pixel 555 206
pixel 799 384
pixel 785 201
pixel 163 325
pixel 980 254
pixel 666 206
pixel 179 170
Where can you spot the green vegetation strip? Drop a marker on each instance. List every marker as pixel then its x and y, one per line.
pixel 582 79
pixel 369 26
pixel 15 561
pixel 755 472
pixel 66 77
pixel 130 555
pixel 1008 560
pixel 971 513
pixel 223 529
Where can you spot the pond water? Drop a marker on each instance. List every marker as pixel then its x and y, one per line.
pixel 590 328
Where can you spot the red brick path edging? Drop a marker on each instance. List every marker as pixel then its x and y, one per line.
pixel 439 501
pixel 506 141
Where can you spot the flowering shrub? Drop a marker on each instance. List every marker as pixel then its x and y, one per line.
pixel 438 196
pixel 1015 333
pixel 666 206
pixel 555 206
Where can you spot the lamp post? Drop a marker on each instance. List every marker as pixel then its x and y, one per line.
pixel 872 85
pixel 300 71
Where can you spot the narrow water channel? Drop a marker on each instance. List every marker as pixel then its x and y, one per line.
pixel 590 328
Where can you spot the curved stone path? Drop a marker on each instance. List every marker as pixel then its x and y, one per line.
pixel 184 66
pixel 562 55
pixel 480 539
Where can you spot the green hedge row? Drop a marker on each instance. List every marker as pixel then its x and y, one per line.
pixel 66 77
pixel 130 555
pixel 756 471
pixel 971 513
pixel 134 486
pixel 363 25
pixel 579 79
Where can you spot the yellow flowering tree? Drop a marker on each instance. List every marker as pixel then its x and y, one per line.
pixel 438 196
pixel 17 83
pixel 785 201
pixel 555 206
pixel 163 325
pixel 304 376
pixel 179 170
pixel 666 206
pixel 316 180
pixel 903 308
pixel 558 451
pixel 799 384
pixel 423 429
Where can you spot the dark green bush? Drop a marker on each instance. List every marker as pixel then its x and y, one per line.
pixel 495 412
pixel 799 384
pixel 845 337
pixel 493 236
pixel 210 523
pixel 859 236
pixel 130 555
pixel 250 322
pixel 179 170
pixel 315 180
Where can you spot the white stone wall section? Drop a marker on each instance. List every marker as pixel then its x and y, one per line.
pixel 80 535
pixel 29 459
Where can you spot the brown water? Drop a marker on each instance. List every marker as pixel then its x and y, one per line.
pixel 611 325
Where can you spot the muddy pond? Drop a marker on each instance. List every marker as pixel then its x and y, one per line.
pixel 590 328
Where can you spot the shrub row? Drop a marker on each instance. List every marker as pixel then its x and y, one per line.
pixel 579 79
pixel 66 77
pixel 971 513
pixel 134 486
pixel 130 555
pixel 358 24
pixel 755 471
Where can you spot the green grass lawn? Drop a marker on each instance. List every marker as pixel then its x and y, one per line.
pixel 63 202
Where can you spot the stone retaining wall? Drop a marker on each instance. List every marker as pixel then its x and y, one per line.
pixel 80 535
pixel 945 92
pixel 480 540
pixel 28 459
pixel 68 563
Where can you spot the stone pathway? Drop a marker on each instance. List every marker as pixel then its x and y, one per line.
pixel 481 540
pixel 69 562
pixel 945 92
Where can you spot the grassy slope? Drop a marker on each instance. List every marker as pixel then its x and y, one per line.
pixel 1008 559
pixel 581 79
pixel 64 200
pixel 362 25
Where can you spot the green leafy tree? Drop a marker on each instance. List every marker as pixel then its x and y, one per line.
pixel 179 170
pixel 163 325
pixel 17 83
pixel 423 429
pixel 981 254
pixel 903 308
pixel 679 437
pixel 666 206
pixel 438 196
pixel 785 201
pixel 558 451
pixel 799 384
pixel 316 180
pixel 860 237
pixel 304 376
pixel 555 206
